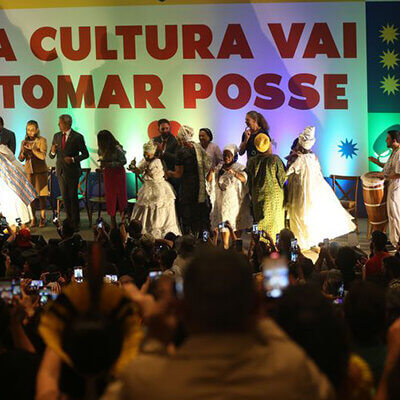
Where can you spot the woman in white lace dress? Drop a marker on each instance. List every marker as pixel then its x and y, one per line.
pixel 155 206
pixel 229 194
pixel 16 192
pixel 314 211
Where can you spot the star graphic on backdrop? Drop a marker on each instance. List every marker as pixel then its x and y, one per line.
pixel 389 59
pixel 348 148
pixel 390 84
pixel 389 33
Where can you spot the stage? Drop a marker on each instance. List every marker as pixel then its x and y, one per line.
pixel 50 232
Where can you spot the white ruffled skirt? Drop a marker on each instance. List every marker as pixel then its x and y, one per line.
pixel 155 208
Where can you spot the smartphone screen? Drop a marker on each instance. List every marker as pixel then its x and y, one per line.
pixel 277 239
pixel 3 222
pixel 255 228
pixel 36 284
pixel 6 291
pixel 78 274
pixel 153 275
pixel 205 236
pixel 294 250
pixel 111 278
pixel 221 225
pixel 178 287
pixel 276 278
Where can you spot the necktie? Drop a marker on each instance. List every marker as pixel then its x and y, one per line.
pixel 64 138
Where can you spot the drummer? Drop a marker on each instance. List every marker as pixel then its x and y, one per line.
pixel 391 173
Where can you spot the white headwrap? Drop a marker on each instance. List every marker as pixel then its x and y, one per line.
pixel 185 133
pixel 307 138
pixel 150 147
pixel 232 148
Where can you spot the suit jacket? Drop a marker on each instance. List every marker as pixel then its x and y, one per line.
pixel 35 162
pixel 7 137
pixel 74 147
pixel 169 154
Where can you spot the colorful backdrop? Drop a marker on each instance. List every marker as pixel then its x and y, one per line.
pixel 120 65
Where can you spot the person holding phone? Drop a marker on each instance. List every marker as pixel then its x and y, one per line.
pixel 155 205
pixel 33 152
pixel 314 211
pixel 229 194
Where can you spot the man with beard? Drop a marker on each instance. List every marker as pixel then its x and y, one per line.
pixel 167 146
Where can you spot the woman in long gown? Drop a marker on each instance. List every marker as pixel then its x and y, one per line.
pixel 112 161
pixel 155 205
pixel 314 211
pixel 266 178
pixel 231 201
pixel 16 193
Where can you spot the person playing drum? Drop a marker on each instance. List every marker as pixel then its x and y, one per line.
pixel 391 173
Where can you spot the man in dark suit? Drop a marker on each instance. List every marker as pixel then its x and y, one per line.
pixel 70 149
pixel 166 144
pixel 7 137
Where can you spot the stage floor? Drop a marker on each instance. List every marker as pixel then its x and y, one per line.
pixel 49 232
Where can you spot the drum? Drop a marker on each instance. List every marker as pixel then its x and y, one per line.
pixel 374 194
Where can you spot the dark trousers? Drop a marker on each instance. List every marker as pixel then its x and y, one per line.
pixel 195 218
pixel 69 193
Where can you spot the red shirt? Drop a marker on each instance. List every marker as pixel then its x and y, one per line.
pixel 375 265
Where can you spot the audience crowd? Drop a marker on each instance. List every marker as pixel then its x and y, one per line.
pixel 129 316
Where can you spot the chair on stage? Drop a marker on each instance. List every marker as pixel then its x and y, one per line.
pixel 98 199
pixel 347 193
pixel 83 185
pixel 132 201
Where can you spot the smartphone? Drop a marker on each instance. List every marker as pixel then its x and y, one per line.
pixel 277 239
pixel 205 236
pixel 3 222
pixel 255 229
pixel 55 218
pixel 153 275
pixel 100 225
pixel 18 221
pixel 36 284
pixel 16 290
pixel 275 277
pixel 111 279
pixel 45 295
pixel 222 225
pixel 294 254
pixel 78 274
pixel 178 287
pixel 340 292
pixel 239 245
pixel 6 291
